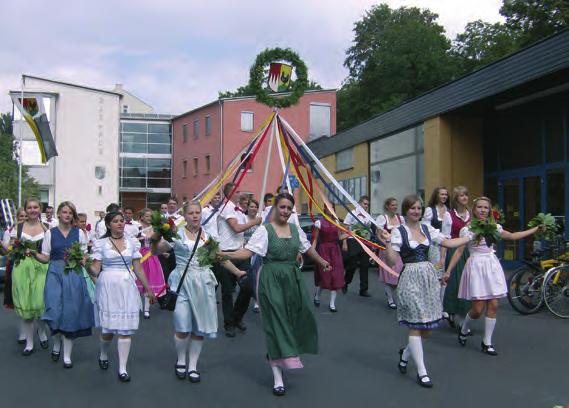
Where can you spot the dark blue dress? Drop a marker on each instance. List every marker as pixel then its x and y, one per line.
pixel 68 307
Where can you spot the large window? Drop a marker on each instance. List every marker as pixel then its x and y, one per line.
pixel 345 159
pixel 185 133
pixel 319 120
pixel 145 172
pixel 356 187
pixel 396 167
pixel 247 121
pixel 146 138
pixel 196 128
pixel 208 125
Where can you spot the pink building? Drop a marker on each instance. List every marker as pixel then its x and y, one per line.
pixel 206 139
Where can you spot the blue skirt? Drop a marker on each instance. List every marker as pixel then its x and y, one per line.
pixel 68 307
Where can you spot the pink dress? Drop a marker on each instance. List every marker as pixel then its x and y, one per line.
pixel 482 277
pixel 152 270
pixel 329 249
pixel 383 275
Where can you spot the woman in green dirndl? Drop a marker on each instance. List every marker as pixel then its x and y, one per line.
pixel 286 313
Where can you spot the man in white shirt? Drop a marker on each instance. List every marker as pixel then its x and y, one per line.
pixel 100 227
pixel 49 220
pixel 211 226
pixel 230 232
pixel 356 256
pixel 167 259
pixel 267 211
pixel 131 227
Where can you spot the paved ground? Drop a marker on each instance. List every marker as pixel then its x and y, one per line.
pixel 356 366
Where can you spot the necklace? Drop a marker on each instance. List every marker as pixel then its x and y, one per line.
pixel 121 237
pixel 192 231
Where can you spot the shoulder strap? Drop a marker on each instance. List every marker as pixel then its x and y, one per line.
pixel 19 230
pixel 189 260
pixel 426 232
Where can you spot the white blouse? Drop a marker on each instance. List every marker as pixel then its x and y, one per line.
pixel 103 248
pixel 397 240
pixel 447 220
pixel 382 220
pixel 259 242
pixel 46 244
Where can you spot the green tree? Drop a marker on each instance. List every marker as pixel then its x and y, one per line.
pixel 9 167
pixel 533 20
pixel 396 55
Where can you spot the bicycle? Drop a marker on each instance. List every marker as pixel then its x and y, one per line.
pixel 556 290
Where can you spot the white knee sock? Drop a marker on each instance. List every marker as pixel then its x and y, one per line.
pixel 104 348
pixel 277 375
pixel 489 325
pixel 317 292
pixel 146 304
pixel 466 324
pixel 442 292
pixel 21 330
pixel 333 294
pixel 67 348
pixel 56 343
pixel 28 327
pixel 123 347
pixel 389 292
pixel 195 350
pixel 181 349
pixel 42 330
pixel 406 353
pixel 416 348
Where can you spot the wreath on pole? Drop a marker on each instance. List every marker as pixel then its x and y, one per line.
pixel 279 78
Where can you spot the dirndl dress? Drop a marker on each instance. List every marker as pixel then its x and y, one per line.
pixel 153 272
pixel 329 249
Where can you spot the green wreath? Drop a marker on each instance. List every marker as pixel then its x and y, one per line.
pixel 256 77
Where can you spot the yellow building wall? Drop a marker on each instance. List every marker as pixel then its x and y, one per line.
pixel 454 153
pixel 360 168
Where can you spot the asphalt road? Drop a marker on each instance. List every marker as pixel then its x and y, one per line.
pixel 356 366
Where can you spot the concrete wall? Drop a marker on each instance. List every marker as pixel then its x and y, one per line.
pixel 135 104
pixel 454 153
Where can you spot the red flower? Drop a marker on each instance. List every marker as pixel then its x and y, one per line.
pixel 171 222
pixel 495 214
pixel 17 243
pixel 88 227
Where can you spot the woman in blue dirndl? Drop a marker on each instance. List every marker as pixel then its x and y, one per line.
pixel 68 306
pixel 419 306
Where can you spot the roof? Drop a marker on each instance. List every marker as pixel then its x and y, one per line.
pixel 147 116
pixel 24 76
pixel 237 98
pixel 538 60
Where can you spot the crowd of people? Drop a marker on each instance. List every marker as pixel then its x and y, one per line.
pixel 434 269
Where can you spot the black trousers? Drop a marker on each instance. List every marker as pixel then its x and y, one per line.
pixel 356 258
pixel 233 312
pixel 168 263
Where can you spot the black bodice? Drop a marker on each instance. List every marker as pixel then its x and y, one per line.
pixel 414 255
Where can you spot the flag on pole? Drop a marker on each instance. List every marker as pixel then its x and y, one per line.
pixel 32 109
pixel 279 76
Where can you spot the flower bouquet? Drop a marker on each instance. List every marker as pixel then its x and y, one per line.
pixel 20 249
pixel 485 229
pixel 548 221
pixel 208 254
pixel 361 231
pixel 498 214
pixel 74 258
pixel 163 225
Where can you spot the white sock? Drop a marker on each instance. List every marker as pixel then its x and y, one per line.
pixel 442 293
pixel 56 343
pixel 416 348
pixel 181 349
pixel 21 330
pixel 465 324
pixel 146 304
pixel 67 348
pixel 28 330
pixel 317 293
pixel 42 330
pixel 489 325
pixel 277 375
pixel 389 293
pixel 406 353
pixel 104 348
pixel 123 347
pixel 333 294
pixel 195 350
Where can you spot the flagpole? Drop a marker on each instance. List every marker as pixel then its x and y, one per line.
pixel 20 148
pixel 264 186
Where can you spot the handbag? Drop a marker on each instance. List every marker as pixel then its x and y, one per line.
pixel 168 301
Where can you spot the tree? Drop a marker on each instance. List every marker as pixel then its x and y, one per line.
pixel 246 90
pixel 533 20
pixel 396 55
pixel 9 167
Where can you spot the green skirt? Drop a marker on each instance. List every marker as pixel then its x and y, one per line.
pixel 28 282
pixel 289 325
pixel 451 303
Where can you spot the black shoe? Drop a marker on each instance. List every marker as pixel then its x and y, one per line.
pixel 450 320
pixel 230 331
pixel 279 391
pixel 391 305
pixel 55 356
pixel 194 376
pixel 240 325
pixel 147 315
pixel 402 363
pixel 44 344
pixel 489 349
pixel 178 370
pixel 461 337
pixel 124 377
pixel 27 352
pixel 333 309
pixel 67 365
pixel 316 302
pixel 103 364
pixel 427 383
pixel 364 293
pixel 345 289
pixel 21 341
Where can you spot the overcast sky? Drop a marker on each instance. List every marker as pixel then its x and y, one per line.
pixel 177 54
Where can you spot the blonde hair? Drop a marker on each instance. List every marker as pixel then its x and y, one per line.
pixel 189 204
pixel 69 205
pixel 33 200
pixel 456 192
pixel 490 212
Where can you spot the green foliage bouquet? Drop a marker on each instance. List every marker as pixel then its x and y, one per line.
pixel 74 258
pixel 361 231
pixel 208 254
pixel 485 229
pixel 20 249
pixel 163 225
pixel 548 221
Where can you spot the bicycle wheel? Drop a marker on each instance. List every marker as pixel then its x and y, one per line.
pixel 556 291
pixel 524 289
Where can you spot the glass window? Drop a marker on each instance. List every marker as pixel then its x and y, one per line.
pixel 207 164
pixel 555 192
pixel 185 133
pixel 247 121
pixel 208 125
pixel 520 125
pixel 159 138
pixel 133 172
pixel 185 168
pixel 134 127
pixel 44 198
pixel 125 109
pixel 133 162
pixel 196 166
pixel 159 163
pixel 153 200
pixel 134 137
pixel 31 155
pixel 159 128
pixel 159 148
pixel 196 128
pixel 319 121
pixel 344 160
pixel 554 140
pixel 397 179
pixel 159 173
pixel 133 147
pixel 133 182
pixel 158 183
pixel 393 146
pixel 491 189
